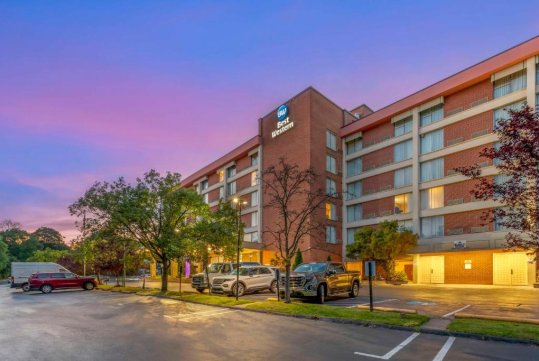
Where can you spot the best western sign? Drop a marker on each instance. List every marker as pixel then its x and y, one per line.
pixel 283 123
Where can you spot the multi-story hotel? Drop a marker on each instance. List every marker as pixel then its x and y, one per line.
pixel 396 163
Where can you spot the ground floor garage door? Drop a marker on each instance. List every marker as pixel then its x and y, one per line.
pixel 510 269
pixel 431 269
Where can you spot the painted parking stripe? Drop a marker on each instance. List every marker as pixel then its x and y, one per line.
pixel 443 351
pixel 368 303
pixel 391 353
pixel 186 318
pixel 452 313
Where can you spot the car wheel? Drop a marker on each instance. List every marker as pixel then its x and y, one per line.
pixel 46 288
pixel 355 290
pixel 88 286
pixel 240 291
pixel 321 294
pixel 26 287
pixel 273 287
pixel 201 290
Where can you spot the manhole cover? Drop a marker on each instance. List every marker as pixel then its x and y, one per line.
pixel 421 303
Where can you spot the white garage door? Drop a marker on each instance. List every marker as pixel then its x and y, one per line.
pixel 431 269
pixel 510 269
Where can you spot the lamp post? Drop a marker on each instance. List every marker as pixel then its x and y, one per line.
pixel 239 203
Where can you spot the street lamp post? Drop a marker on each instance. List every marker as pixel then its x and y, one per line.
pixel 239 203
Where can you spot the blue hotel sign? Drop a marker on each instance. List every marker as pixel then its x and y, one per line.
pixel 283 123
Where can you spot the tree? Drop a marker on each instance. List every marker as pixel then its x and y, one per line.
pixel 8 224
pixel 4 259
pixel 517 160
pixel 156 212
pixel 329 258
pixel 292 195
pixel 298 260
pixel 47 255
pixel 50 238
pixel 383 245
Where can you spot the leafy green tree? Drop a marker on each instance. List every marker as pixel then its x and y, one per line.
pixel 28 247
pixel 8 224
pixel 4 259
pixel 47 255
pixel 156 212
pixel 383 245
pixel 298 260
pixel 50 238
pixel 329 258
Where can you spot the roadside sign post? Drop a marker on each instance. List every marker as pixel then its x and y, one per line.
pixel 370 271
pixel 278 277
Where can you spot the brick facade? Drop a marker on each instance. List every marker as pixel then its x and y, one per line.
pixel 378 182
pixel 455 192
pixel 468 222
pixel 378 134
pixel 470 128
pixel 481 272
pixel 379 207
pixel 466 98
pixel 466 157
pixel 377 159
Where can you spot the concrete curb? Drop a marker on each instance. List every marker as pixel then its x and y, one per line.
pixel 389 309
pixel 420 329
pixel 497 318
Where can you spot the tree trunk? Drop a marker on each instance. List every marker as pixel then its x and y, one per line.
pixel 287 284
pixel 164 275
pixel 117 279
pixel 390 268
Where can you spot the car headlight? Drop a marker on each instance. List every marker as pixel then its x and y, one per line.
pixel 228 279
pixel 310 279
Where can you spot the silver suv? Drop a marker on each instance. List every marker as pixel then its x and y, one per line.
pixel 252 278
pixel 200 280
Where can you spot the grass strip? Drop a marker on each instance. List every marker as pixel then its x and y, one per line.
pixel 307 309
pixel 495 328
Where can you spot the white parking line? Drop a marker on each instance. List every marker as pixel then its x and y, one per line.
pixel 452 313
pixel 391 353
pixel 194 316
pixel 445 348
pixel 368 303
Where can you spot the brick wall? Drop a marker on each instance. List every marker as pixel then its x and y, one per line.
pixel 242 163
pixel 377 206
pixel 478 125
pixel 464 158
pixel 461 190
pixel 466 97
pixel 482 267
pixel 213 195
pixel 378 182
pixel 378 158
pixel 465 221
pixel 377 134
pixel 243 182
pixel 213 178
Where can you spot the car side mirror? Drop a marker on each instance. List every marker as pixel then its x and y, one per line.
pixel 332 272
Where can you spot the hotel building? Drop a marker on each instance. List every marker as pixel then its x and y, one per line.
pixel 393 164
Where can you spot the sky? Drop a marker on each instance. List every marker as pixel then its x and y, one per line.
pixel 94 90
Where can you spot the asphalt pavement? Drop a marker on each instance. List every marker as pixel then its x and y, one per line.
pixel 93 325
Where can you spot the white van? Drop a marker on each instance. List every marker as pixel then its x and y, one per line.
pixel 21 271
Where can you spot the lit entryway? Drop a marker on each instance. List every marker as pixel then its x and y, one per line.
pixel 431 269
pixel 510 269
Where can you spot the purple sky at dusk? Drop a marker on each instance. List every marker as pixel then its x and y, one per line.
pixel 90 91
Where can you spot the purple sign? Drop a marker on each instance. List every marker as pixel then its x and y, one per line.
pixel 187 269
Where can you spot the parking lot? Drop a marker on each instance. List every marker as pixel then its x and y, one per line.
pixel 92 325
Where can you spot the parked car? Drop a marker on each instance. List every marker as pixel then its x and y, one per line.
pixel 21 272
pixel 321 279
pixel 200 280
pixel 251 279
pixel 46 282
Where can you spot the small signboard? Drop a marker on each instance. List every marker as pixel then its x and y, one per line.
pixel 468 264
pixel 459 244
pixel 372 268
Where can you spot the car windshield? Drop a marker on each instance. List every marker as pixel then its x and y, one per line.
pixel 243 271
pixel 214 267
pixel 311 267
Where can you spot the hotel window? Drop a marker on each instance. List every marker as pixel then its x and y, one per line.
pixel 254 179
pixel 403 126
pixel 354 190
pixel 433 169
pixel 231 188
pixel 254 237
pixel 407 225
pixel 503 113
pixel 403 177
pixel 231 171
pixel 254 199
pixel 431 115
pixel 350 232
pixel 432 198
pixel 331 234
pixel 432 227
pixel 331 186
pixel 331 211
pixel 203 185
pixel 331 140
pixel 247 237
pixel 331 164
pixel 354 167
pixel 254 159
pixel 354 213
pixel 221 192
pixel 205 198
pixel 403 151
pixel 403 203
pixel 254 219
pixel 221 175
pixel 353 146
pixel 510 83
pixel 432 141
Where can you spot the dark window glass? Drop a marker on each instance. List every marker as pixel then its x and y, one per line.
pixel 44 275
pixel 70 275
pixel 339 268
pixel 265 271
pixel 58 275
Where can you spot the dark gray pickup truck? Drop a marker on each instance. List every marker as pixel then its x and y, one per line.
pixel 321 279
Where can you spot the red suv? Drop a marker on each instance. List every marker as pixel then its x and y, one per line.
pixel 46 282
